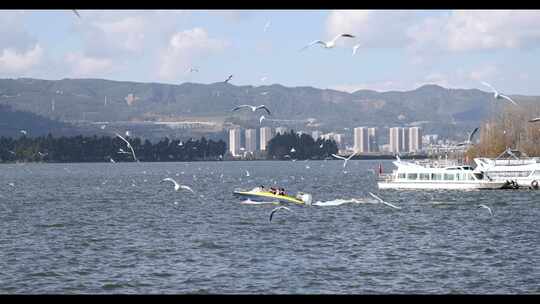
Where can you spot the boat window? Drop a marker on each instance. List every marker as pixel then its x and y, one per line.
pixel 448 176
pixel 469 177
pixel 401 175
pixel 436 176
pixel 536 173
pixel 424 176
pixel 479 175
pixel 412 176
pixel 461 176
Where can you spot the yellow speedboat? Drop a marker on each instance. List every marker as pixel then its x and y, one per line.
pixel 261 195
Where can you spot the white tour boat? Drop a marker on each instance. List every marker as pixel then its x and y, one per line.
pixel 436 175
pixel 512 166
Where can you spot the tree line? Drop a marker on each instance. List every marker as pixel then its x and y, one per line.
pixel 509 128
pixel 294 146
pixel 105 148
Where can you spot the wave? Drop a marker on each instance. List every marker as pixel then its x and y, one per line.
pixel 337 202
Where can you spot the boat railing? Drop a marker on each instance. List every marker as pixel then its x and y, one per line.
pixel 516 162
pixel 385 177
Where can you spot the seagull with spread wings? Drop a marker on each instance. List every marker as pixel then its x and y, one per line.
pixel 328 44
pixel 129 146
pixel 176 185
pixel 498 95
pixel 253 108
pixel 276 209
pixel 469 139
pixel 345 160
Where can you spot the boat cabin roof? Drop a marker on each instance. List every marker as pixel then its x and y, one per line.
pixel 417 168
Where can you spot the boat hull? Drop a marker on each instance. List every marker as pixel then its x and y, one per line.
pixel 442 186
pixel 267 197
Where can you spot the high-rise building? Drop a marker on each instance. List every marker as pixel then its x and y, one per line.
pixel 234 141
pixel 415 139
pixel 340 140
pixel 361 140
pixel 404 140
pixel 251 140
pixel 373 140
pixel 281 130
pixel 266 135
pixel 393 139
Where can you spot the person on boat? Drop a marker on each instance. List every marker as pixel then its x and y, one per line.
pixel 273 190
pixel 281 191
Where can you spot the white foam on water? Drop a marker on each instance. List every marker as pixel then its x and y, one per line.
pixel 250 202
pixel 339 201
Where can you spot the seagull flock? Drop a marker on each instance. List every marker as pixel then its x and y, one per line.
pixel 326 45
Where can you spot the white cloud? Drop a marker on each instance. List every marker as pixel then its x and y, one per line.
pixel 13 61
pixel 124 33
pixel 13 33
pixel 82 65
pixel 185 47
pixel 372 28
pixel 477 30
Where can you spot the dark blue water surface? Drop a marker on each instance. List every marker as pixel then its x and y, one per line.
pixel 114 228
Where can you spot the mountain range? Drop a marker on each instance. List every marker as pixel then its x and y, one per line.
pixel 98 100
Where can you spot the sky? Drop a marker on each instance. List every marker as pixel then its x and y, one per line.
pixel 399 50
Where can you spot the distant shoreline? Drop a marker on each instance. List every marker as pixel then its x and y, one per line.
pixel 379 157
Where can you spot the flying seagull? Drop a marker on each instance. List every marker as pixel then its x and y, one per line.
pixel 293 150
pixel 253 108
pixel 380 200
pixel 129 146
pixel 193 70
pixel 469 139
pixel 121 151
pixel 76 13
pixel 489 209
pixel 264 93
pixel 276 209
pixel 176 185
pixel 24 132
pixel 328 44
pixel 497 95
pixel 344 159
pixel 535 119
pixel 266 26
pixel 355 48
pixel 261 119
pixel 247 173
pixel 228 78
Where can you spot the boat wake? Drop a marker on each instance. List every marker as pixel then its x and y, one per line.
pixel 338 202
pixel 250 202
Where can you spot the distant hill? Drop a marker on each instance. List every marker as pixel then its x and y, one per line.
pixel 12 122
pixel 106 100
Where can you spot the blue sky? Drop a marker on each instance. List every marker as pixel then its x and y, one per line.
pixel 400 50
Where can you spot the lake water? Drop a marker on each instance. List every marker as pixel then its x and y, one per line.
pixel 114 228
